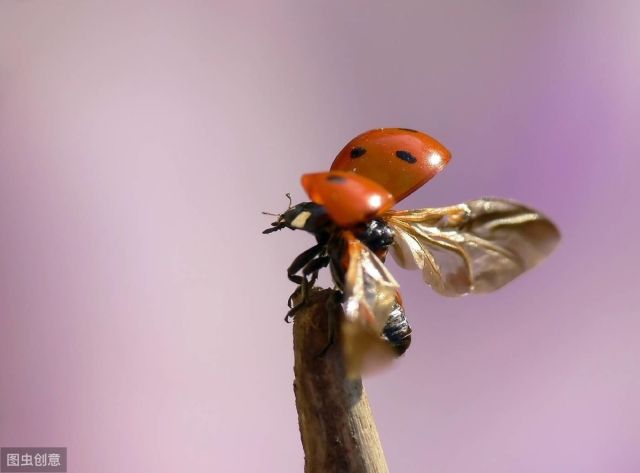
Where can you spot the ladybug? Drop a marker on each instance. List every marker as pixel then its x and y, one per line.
pixel 474 247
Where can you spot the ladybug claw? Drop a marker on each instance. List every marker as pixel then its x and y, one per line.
pixel 299 292
pixel 292 313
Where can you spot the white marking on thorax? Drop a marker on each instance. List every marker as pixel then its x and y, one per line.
pixel 301 219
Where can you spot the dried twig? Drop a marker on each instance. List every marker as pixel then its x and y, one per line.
pixel 336 424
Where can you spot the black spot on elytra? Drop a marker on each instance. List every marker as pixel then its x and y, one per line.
pixel 406 156
pixel 409 129
pixel 357 152
pixel 336 179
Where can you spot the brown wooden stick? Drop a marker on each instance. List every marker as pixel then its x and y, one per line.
pixel 336 424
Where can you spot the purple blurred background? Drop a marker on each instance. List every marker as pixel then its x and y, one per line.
pixel 141 309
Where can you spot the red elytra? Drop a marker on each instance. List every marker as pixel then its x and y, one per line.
pixel 399 159
pixel 348 198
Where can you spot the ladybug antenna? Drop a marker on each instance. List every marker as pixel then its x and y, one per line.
pixel 279 223
pixel 288 196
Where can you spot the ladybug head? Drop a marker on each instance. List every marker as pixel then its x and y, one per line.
pixel 307 216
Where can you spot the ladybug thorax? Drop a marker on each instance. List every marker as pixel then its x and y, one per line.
pixel 308 216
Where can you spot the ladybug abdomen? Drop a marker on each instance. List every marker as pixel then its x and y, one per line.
pixel 397 329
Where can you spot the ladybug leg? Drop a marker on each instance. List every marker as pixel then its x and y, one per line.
pixel 311 269
pixel 299 264
pixel 299 280
pixel 333 310
pixel 302 292
pixel 301 261
pixel 314 267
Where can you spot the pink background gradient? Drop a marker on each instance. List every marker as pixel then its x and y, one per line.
pixel 141 309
